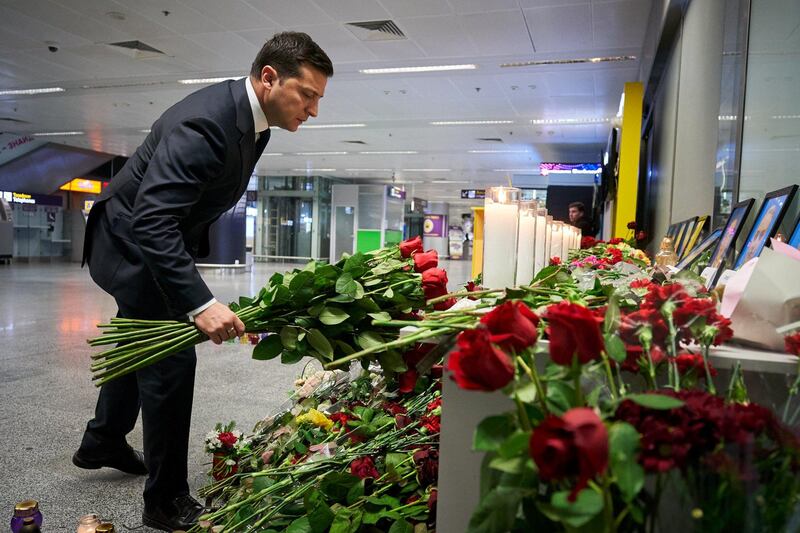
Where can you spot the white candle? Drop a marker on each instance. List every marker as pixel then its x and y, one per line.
pixel 540 259
pixel 567 242
pixel 525 244
pixel 548 239
pixel 500 228
pixel 557 241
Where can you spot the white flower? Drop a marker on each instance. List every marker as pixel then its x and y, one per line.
pixel 230 462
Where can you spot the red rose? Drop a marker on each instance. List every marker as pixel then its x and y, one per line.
pixel 793 343
pixel 227 439
pixel 402 421
pixel 641 235
pixel 632 224
pixel 432 501
pixel 364 467
pixel 478 364
pixel 394 408
pixel 588 242
pixel 434 283
pixel 512 326
pixel 427 463
pixel 615 240
pixel 409 246
pixel 574 445
pixel 341 419
pixel 555 261
pixel 425 260
pixel 431 423
pixel 408 379
pixel 636 354
pixel 688 362
pixel 573 330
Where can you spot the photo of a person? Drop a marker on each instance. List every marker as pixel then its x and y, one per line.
pixel 795 238
pixel 762 230
pixel 731 230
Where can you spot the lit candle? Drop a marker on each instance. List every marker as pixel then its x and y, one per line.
pixel 557 240
pixel 540 257
pixel 525 244
pixel 548 239
pixel 501 225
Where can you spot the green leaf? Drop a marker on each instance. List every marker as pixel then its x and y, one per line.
pixel 560 396
pixel 515 445
pixel 300 280
pixel 496 511
pixel 623 443
pixel 289 337
pixel 655 401
pixel 331 316
pixel 389 293
pixel 401 526
pixel 281 295
pixel 344 347
pixel 611 322
pixel 341 299
pixel 244 301
pixel 356 492
pixel 346 521
pixel 492 432
pixel 511 465
pixel 355 264
pixel 311 266
pixel 369 339
pixel 291 357
pixel 268 348
pixel 383 315
pixel 344 283
pixel 262 482
pixel 318 513
pixel 393 461
pixel 320 343
pixel 526 393
pixel 575 514
pixel 301 525
pixel 392 361
pixel 615 348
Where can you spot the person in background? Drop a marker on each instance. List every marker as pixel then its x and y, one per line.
pixel 143 235
pixel 578 218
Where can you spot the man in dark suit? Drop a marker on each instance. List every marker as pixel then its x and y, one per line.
pixel 142 238
pixel 578 218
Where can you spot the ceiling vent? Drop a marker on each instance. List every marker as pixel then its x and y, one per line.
pixel 490 139
pixel 354 142
pixel 137 49
pixel 376 30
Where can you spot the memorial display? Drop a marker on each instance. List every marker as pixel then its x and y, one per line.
pixel 767 222
pixel 730 233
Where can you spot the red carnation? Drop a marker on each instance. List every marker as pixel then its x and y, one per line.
pixel 641 235
pixel 409 246
pixel 588 242
pixel 688 362
pixel 661 294
pixel 793 343
pixel 512 326
pixel 573 330
pixel 615 240
pixel 394 408
pixel 364 467
pixel 640 284
pixel 227 439
pixel 574 445
pixel 425 260
pixel 636 355
pixel 341 419
pixel 633 325
pixel 431 423
pixel 427 463
pixel 478 364
pixel 435 403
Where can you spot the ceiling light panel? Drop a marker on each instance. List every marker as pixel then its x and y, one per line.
pixel 390 152
pixel 541 62
pixel 469 122
pixel 43 90
pixel 57 133
pixel 434 68
pixel 320 153
pixel 570 121
pixel 321 126
pixel 200 81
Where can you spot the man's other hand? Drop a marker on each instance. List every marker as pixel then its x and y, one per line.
pixel 219 323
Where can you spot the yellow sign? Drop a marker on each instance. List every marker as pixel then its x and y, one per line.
pixel 82 185
pixel 87 205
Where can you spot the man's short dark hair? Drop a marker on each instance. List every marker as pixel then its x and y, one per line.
pixel 579 206
pixel 287 51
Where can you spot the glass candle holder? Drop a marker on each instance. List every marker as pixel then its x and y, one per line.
pixel 88 523
pixel 23 510
pixel 500 229
pixel 526 242
pixel 540 255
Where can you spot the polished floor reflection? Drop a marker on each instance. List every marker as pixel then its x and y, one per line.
pixel 46 396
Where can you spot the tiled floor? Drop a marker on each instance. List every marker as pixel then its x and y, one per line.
pixel 46 396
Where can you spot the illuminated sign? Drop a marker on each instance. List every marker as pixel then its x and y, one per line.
pixel 473 194
pixel 569 168
pixel 34 199
pixel 82 185
pixel 22 198
pixel 396 192
pixel 87 205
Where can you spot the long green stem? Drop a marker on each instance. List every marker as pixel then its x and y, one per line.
pixel 709 381
pixel 541 392
pixel 403 341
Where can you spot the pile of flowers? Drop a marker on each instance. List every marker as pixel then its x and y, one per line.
pixel 601 255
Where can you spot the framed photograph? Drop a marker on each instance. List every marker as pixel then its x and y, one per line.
pixel 676 240
pixel 687 227
pixel 794 240
pixel 767 222
pixel 671 232
pixel 730 233
pixel 695 235
pixel 707 244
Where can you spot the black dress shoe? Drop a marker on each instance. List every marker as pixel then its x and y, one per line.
pixel 180 513
pixel 125 460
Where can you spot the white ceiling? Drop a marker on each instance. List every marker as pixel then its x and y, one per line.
pixel 209 38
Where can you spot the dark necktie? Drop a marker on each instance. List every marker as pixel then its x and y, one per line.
pixel 261 143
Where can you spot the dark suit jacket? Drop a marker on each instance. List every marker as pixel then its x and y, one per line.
pixel 145 230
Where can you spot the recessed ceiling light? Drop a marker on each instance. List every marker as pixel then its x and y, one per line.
pixel 469 122
pixel 499 151
pixel 44 90
pixel 271 154
pixel 320 153
pixel 390 152
pixel 198 81
pixel 56 133
pixel 568 61
pixel 515 170
pixel 144 131
pixel 313 170
pixel 369 169
pixel 570 121
pixel 320 126
pixel 435 68
pixel 785 117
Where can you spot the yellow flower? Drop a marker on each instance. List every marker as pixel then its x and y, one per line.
pixel 641 256
pixel 315 418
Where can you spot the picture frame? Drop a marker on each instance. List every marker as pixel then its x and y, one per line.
pixel 730 232
pixel 705 245
pixel 767 222
pixel 686 230
pixel 696 232
pixel 794 240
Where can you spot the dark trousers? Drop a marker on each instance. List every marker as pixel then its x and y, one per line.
pixel 164 393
